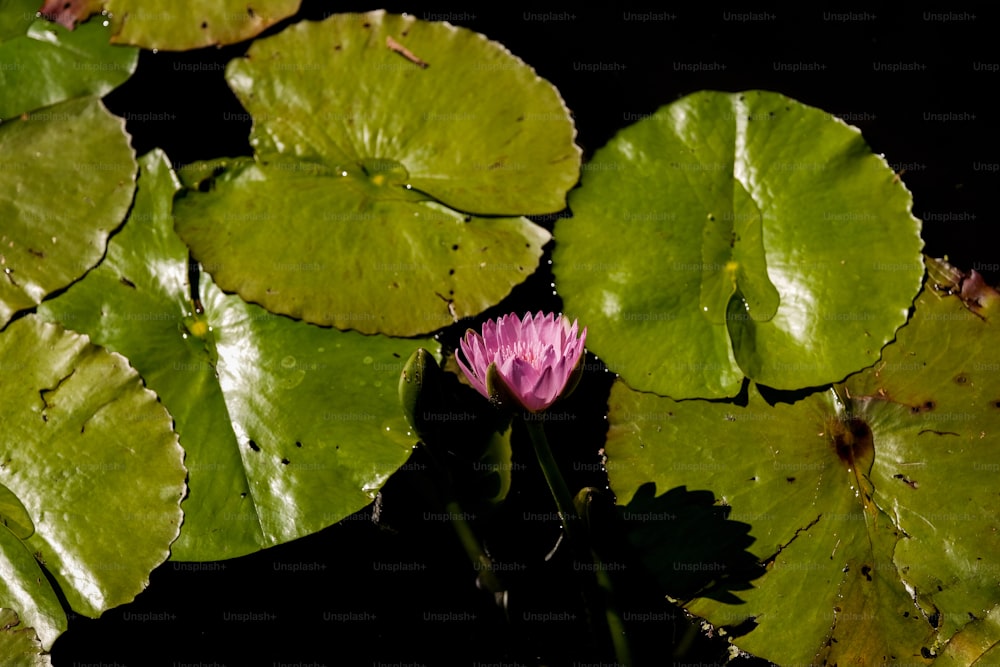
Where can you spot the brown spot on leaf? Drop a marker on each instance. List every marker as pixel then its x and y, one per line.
pixel 253 445
pixel 867 571
pixel 961 378
pixel 852 439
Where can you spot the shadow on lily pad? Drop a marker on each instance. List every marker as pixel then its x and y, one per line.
pixel 690 545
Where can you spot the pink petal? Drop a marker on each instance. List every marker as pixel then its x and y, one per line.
pixel 522 376
pixel 471 348
pixel 544 392
pixel 490 341
pixel 508 330
pixel 549 356
pixel 474 351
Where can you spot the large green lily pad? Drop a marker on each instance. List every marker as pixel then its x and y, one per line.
pixel 872 503
pixel 732 235
pixel 175 25
pixel 288 427
pixel 91 458
pixel 368 168
pixel 80 151
pixel 44 63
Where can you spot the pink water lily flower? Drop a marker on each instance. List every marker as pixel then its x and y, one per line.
pixel 529 362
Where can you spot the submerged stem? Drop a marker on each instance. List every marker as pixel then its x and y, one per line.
pixel 576 535
pixel 480 560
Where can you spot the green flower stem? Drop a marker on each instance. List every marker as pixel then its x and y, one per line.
pixel 557 485
pixel 616 626
pixel 573 530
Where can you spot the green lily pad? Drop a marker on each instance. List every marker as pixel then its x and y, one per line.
pixel 80 151
pixel 978 643
pixel 872 504
pixel 288 427
pixel 732 235
pixel 14 516
pixel 369 191
pixel 25 587
pixel 316 249
pixel 15 17
pixel 19 646
pixel 90 455
pixel 176 25
pixel 44 63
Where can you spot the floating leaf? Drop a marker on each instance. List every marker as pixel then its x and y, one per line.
pixel 69 176
pixel 14 516
pixel 732 235
pixel 370 191
pixel 872 504
pixel 25 587
pixel 19 646
pixel 15 17
pixel 47 64
pixel 978 643
pixel 175 25
pixel 288 427
pixel 90 455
